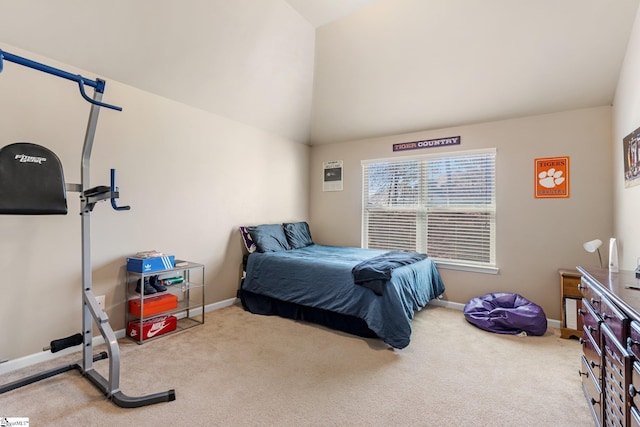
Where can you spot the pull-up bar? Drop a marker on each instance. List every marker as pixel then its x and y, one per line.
pixel 91 311
pixel 97 84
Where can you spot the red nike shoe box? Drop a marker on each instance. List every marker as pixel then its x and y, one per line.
pixel 151 328
pixel 153 305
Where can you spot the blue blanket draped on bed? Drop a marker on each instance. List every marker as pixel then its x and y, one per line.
pixel 374 273
pixel 321 276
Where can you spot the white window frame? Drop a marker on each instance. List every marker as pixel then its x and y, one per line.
pixel 483 267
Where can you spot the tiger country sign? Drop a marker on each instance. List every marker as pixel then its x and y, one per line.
pixel 551 180
pixel 427 143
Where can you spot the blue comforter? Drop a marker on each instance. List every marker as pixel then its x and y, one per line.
pixel 375 272
pixel 321 276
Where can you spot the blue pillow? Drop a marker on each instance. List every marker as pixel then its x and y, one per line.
pixel 269 237
pixel 298 234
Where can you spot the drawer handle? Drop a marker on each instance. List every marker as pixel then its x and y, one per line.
pixel 594 364
pixel 586 374
pixel 592 329
pixel 593 402
pixel 581 287
pixel 594 301
pixel 581 341
pixel 582 312
pixel 605 316
pixel 632 342
pixel 632 390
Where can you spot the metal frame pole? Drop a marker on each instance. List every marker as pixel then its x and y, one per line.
pixel 91 310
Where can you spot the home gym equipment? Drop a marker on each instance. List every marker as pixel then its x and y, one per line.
pixel 32 183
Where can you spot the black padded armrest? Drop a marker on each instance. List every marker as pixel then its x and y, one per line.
pixel 31 181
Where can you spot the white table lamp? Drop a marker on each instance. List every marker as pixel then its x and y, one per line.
pixel 592 246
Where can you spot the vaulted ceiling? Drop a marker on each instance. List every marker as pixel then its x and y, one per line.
pixel 342 69
pixel 321 12
pixel 399 66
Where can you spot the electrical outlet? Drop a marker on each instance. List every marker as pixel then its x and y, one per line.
pixel 100 299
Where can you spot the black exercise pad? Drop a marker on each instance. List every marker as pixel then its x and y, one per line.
pixel 31 181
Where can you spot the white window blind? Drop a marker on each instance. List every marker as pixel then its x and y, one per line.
pixel 442 205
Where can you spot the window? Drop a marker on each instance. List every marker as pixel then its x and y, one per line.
pixel 443 205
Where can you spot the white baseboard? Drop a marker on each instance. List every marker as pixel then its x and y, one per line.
pixel 551 323
pixel 32 359
pixel 447 304
pixel 220 304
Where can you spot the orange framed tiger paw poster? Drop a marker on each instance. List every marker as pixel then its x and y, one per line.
pixel 551 180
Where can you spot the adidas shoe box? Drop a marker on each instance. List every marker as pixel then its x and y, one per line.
pixel 149 265
pixel 151 328
pixel 155 304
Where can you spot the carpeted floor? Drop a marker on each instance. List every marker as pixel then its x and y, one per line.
pixel 241 369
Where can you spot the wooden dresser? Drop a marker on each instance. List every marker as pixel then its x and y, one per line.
pixel 610 364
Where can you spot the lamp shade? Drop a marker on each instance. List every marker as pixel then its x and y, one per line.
pixel 592 245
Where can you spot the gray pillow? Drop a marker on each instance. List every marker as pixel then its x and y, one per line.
pixel 269 237
pixel 298 234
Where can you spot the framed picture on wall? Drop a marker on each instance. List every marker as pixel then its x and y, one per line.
pixel 551 177
pixel 631 148
pixel 332 176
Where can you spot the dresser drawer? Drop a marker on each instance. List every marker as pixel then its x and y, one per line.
pixel 615 399
pixel 633 342
pixel 589 293
pixel 634 418
pixel 617 322
pixel 571 286
pixel 591 391
pixel 592 354
pixel 590 321
pixel 616 374
pixel 634 387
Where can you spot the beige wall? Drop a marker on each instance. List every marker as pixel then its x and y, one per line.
pixel 191 178
pixel 535 237
pixel 247 60
pixel 626 119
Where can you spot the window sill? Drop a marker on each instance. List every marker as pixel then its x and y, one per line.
pixel 467 267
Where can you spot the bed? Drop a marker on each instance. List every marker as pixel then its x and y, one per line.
pixel 287 274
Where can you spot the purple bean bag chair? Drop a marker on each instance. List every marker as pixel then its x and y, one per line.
pixel 506 313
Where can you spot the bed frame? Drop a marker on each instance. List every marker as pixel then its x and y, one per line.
pixel 261 304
